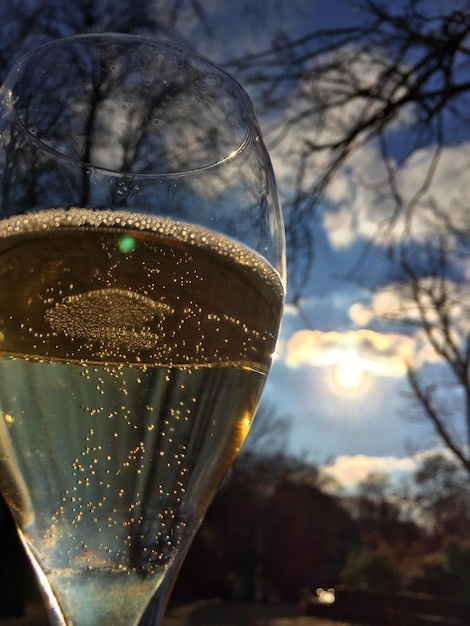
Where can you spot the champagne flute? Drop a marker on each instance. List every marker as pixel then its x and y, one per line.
pixel 141 291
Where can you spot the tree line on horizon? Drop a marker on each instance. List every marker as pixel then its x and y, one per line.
pixel 278 530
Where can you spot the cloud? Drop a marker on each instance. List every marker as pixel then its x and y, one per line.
pixel 358 206
pixel 349 471
pixel 383 354
pixel 434 302
pixel 356 202
pixel 303 123
pixel 410 301
pixel 360 313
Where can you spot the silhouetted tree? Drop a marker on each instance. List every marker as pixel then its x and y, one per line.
pixel 396 69
pixel 443 571
pixel 443 494
pixel 373 500
pixel 430 300
pixel 306 539
pixel 373 568
pixel 267 540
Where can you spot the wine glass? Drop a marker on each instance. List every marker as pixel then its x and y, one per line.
pixel 141 291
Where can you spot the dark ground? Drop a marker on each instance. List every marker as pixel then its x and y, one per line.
pixel 212 613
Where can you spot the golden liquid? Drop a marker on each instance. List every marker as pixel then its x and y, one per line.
pixel 133 353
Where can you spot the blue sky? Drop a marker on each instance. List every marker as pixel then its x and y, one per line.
pixel 339 324
pixel 340 375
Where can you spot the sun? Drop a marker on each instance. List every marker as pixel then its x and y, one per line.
pixel 348 374
pixel 347 377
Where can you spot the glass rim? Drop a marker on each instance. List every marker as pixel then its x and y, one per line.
pixel 10 79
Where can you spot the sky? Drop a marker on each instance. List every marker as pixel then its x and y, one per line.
pixel 340 374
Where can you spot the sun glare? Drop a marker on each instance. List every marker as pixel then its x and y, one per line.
pixel 348 374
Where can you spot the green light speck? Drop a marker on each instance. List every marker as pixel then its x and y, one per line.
pixel 127 244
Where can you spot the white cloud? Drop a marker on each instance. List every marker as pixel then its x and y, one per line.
pixel 359 210
pixel 349 471
pixel 441 304
pixel 385 354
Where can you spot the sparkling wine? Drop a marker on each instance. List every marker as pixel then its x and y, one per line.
pixel 133 350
